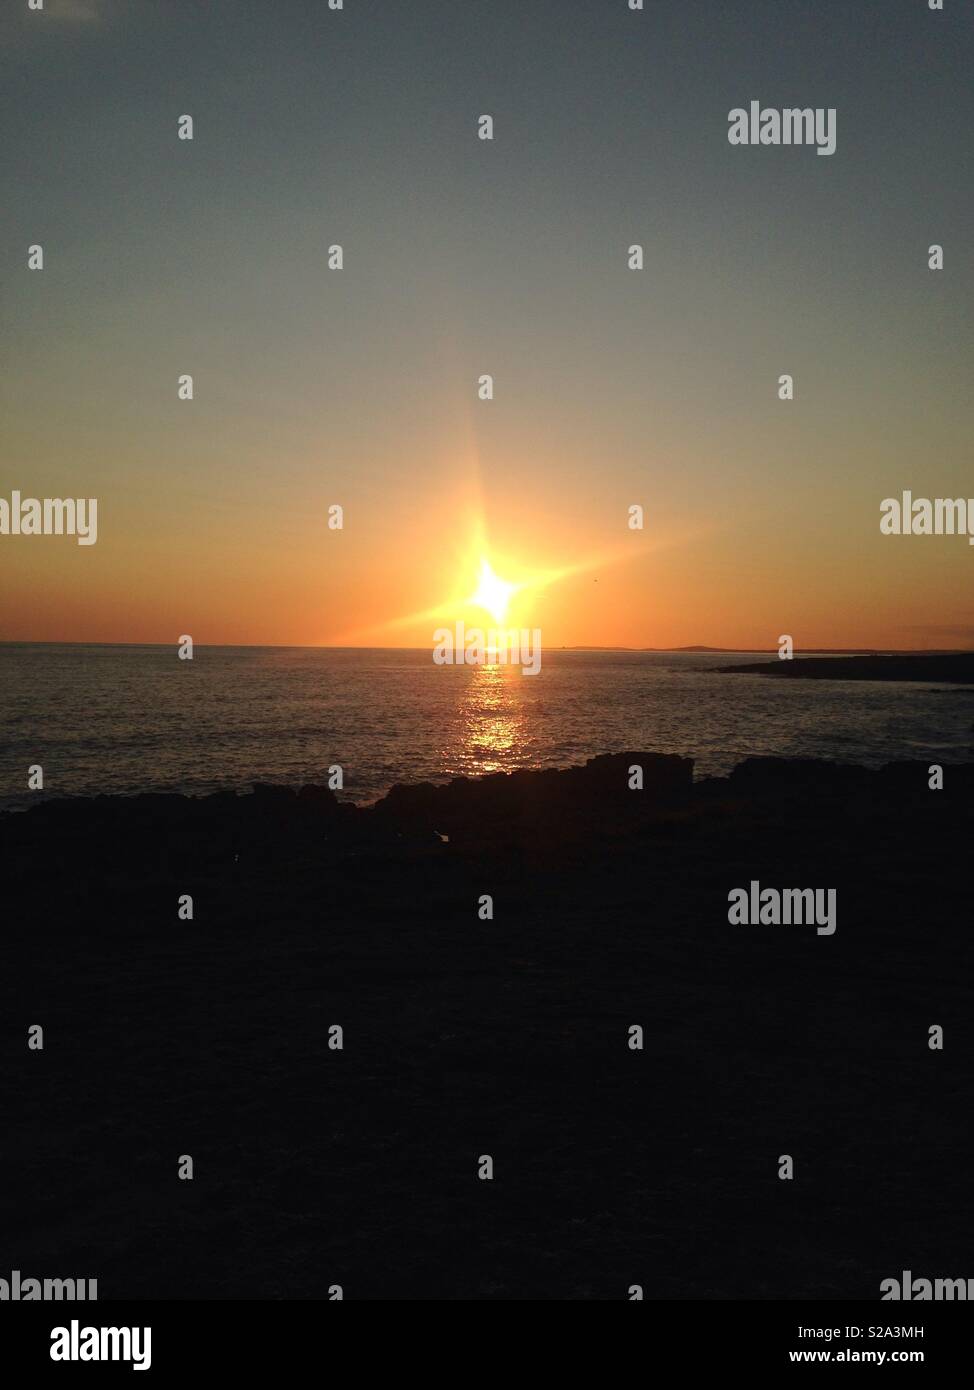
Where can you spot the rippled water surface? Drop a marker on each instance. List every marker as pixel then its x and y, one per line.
pixel 129 719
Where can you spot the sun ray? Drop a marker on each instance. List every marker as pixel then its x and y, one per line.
pixel 494 594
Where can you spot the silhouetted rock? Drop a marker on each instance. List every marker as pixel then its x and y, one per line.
pixel 786 778
pixel 543 807
pixel 508 1035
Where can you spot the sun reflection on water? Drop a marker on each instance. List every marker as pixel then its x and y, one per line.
pixel 494 722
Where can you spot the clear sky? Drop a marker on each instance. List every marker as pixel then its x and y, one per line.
pixel 613 387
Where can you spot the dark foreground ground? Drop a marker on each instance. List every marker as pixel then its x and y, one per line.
pixel 507 1037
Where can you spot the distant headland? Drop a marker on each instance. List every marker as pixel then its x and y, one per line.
pixel 955 668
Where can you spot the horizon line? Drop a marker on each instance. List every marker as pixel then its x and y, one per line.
pixel 699 649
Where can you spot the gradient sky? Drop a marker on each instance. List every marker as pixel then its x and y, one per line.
pixel 464 257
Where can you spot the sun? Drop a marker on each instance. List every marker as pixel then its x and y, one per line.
pixel 493 593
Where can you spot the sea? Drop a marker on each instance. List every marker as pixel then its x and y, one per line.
pixel 128 719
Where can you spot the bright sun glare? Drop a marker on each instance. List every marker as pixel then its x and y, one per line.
pixel 493 593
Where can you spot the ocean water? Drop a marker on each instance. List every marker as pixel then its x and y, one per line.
pixel 125 719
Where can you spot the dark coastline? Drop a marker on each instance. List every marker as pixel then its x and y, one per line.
pixel 953 668
pixel 509 1037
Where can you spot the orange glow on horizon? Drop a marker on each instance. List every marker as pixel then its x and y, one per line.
pixel 515 555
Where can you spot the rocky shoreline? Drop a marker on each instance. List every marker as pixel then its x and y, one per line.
pixel 509 1036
